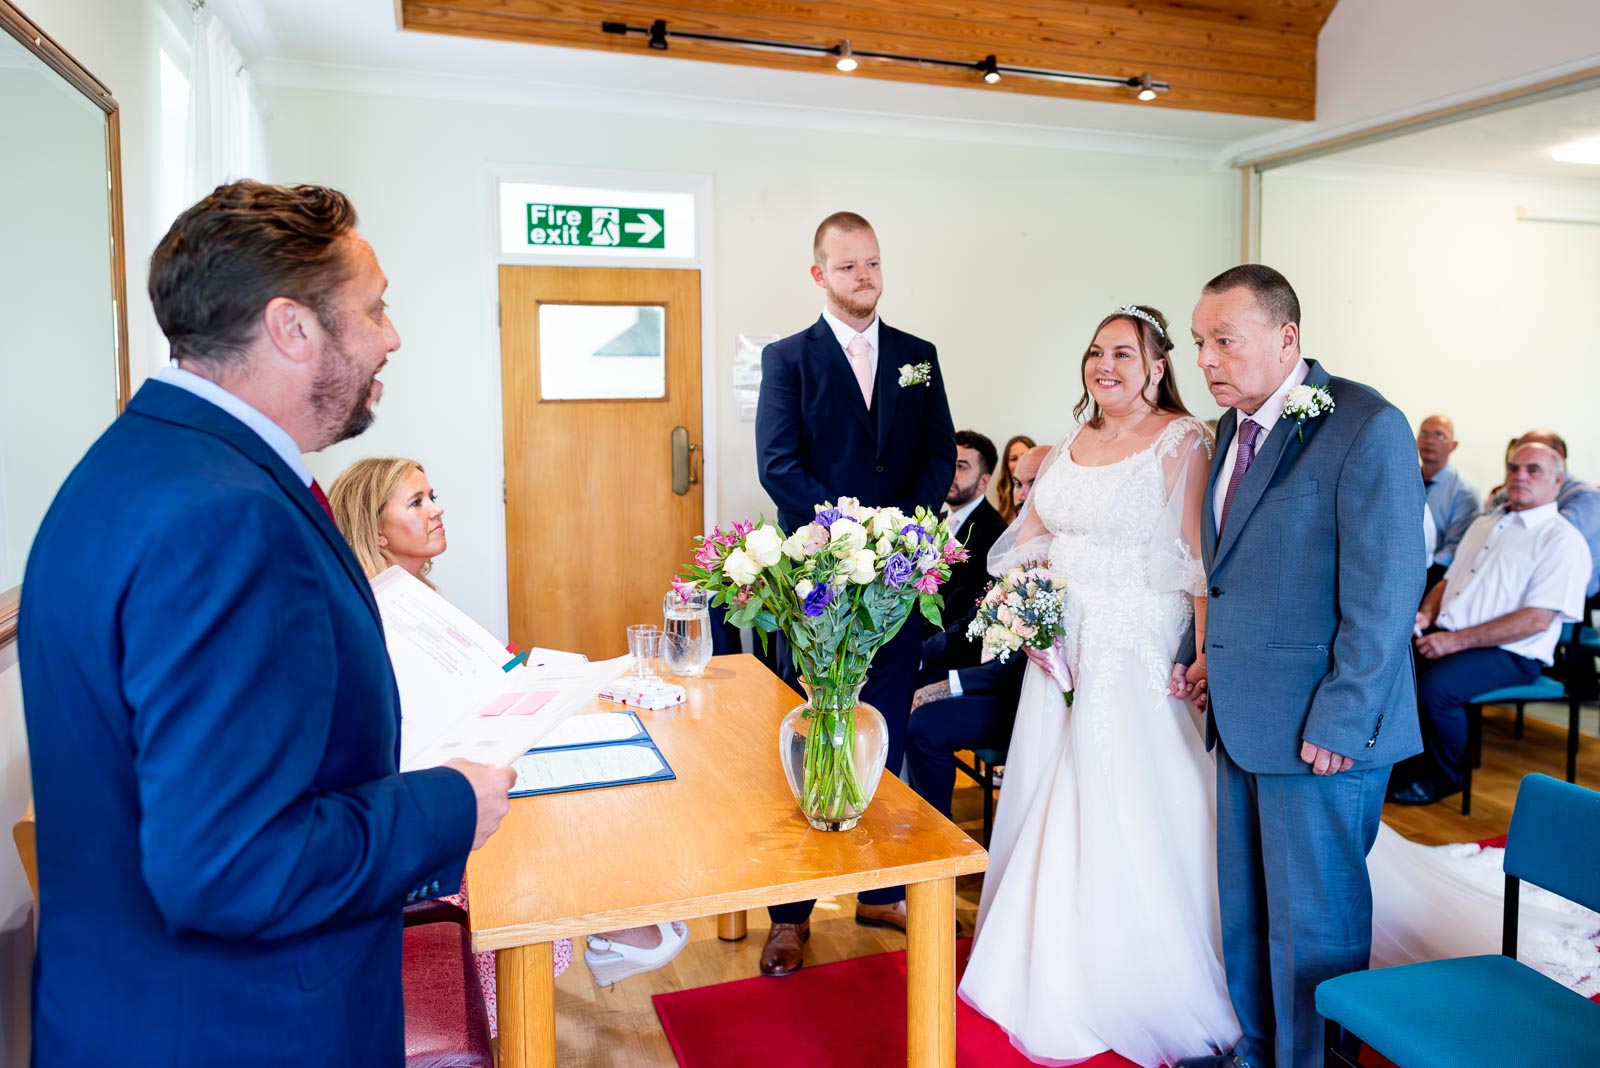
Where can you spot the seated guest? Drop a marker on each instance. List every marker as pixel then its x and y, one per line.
pixel 1578 502
pixel 1000 487
pixel 1452 500
pixel 972 520
pixel 962 703
pixel 390 515
pixel 1518 575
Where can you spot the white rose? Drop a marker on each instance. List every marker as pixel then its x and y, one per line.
pixel 885 545
pixel 864 567
pixel 794 546
pixel 740 567
pixel 803 588
pixel 888 521
pixel 849 537
pixel 764 545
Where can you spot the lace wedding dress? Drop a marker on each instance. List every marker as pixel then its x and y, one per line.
pixel 1098 927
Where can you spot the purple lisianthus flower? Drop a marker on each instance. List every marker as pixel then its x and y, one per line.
pixel 897 571
pixel 826 519
pixel 917 529
pixel 818 600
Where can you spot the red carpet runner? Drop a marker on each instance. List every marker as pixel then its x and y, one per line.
pixel 848 1014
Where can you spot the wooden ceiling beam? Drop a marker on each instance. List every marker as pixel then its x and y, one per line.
pixel 1269 78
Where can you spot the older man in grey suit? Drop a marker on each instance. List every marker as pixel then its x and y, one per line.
pixel 1311 545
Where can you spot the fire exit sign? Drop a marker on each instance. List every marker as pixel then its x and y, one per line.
pixel 596 226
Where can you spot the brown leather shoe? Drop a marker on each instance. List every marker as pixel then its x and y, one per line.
pixel 785 948
pixel 881 915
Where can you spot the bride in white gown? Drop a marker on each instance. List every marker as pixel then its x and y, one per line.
pixel 1098 927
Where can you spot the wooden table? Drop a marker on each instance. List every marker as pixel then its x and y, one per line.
pixel 724 836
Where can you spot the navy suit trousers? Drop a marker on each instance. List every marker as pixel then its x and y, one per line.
pixel 1296 899
pixel 1444 687
pixel 940 728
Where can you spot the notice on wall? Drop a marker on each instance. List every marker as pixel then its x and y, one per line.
pixel 747 372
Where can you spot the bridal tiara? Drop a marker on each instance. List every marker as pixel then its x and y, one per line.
pixel 1140 313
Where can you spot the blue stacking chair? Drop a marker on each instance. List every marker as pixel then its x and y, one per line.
pixel 1489 1010
pixel 1542 688
pixel 981 771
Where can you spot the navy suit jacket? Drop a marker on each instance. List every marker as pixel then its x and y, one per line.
pixel 816 441
pixel 224 844
pixel 1315 586
pixel 970 578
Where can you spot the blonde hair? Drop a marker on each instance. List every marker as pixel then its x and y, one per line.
pixel 358 497
pixel 1004 503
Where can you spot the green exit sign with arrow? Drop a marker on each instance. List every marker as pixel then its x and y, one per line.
pixel 596 226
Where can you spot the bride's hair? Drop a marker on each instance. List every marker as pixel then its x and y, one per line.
pixel 1150 328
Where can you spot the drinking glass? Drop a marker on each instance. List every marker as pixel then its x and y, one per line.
pixel 686 637
pixel 644 643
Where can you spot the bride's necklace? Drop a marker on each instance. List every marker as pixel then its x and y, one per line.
pixel 1112 435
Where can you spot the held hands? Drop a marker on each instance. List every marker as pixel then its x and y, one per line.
pixel 1324 761
pixel 490 785
pixel 1189 683
pixel 1052 663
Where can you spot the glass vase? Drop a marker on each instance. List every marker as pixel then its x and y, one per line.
pixel 833 749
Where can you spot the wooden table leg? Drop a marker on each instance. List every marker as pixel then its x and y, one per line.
pixel 931 974
pixel 526 977
pixel 731 926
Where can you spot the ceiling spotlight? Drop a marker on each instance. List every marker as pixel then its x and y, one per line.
pixel 1586 150
pixel 1147 91
pixel 658 35
pixel 847 59
pixel 991 69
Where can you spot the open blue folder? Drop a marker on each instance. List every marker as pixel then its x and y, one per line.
pixel 623 756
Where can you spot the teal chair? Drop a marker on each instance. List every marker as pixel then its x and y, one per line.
pixel 1492 1010
pixel 982 772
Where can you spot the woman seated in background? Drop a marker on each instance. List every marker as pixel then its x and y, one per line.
pixel 1005 501
pixel 390 515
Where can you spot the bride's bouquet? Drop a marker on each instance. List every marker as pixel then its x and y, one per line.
pixel 1022 610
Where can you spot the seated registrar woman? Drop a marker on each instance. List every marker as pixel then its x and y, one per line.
pixel 390 515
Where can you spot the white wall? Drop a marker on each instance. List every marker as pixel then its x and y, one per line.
pixel 1379 57
pixel 1004 257
pixel 1437 296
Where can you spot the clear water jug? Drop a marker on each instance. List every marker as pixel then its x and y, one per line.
pixel 686 635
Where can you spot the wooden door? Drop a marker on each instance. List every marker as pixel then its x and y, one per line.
pixel 603 493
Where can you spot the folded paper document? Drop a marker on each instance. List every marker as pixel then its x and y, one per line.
pixel 459 695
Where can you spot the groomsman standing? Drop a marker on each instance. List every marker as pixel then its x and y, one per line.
pixel 852 407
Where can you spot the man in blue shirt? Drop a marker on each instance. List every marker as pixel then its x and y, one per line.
pixel 1452 500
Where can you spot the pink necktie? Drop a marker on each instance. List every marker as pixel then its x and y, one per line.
pixel 860 350
pixel 1249 431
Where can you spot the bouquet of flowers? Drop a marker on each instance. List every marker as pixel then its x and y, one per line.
pixel 1022 610
pixel 839 588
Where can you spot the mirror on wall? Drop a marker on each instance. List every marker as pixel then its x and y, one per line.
pixel 63 349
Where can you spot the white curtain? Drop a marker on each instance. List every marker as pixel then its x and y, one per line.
pixel 225 127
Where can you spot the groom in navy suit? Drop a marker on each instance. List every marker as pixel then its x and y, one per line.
pixel 225 844
pixel 853 407
pixel 1312 550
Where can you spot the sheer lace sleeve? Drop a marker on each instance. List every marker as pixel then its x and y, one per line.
pixel 1185 456
pixel 1027 539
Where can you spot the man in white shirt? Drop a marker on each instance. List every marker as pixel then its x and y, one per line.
pixel 1495 619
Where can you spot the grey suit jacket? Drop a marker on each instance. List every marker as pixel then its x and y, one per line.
pixel 1314 587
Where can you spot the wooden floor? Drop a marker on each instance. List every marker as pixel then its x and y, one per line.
pixel 617 1028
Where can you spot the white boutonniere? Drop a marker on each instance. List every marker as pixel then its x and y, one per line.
pixel 915 374
pixel 1306 402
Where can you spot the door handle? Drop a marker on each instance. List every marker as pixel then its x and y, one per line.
pixel 682 461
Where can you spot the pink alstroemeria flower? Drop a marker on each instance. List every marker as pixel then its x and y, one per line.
pixel 743 527
pixel 706 555
pixel 929 582
pixel 954 552
pixel 683 588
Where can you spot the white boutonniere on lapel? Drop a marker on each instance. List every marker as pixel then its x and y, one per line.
pixel 915 374
pixel 1306 402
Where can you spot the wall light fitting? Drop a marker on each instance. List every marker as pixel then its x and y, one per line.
pixel 1586 150
pixel 1143 85
pixel 1544 215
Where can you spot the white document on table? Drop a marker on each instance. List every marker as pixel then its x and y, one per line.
pixel 547 770
pixel 456 698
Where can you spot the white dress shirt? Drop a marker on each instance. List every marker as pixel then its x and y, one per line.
pixel 846 334
pixel 958 518
pixel 277 438
pixel 1511 560
pixel 1266 418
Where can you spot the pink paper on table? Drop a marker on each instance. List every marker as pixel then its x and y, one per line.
pixel 531 702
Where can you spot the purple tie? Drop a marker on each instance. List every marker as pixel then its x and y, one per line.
pixel 1249 431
